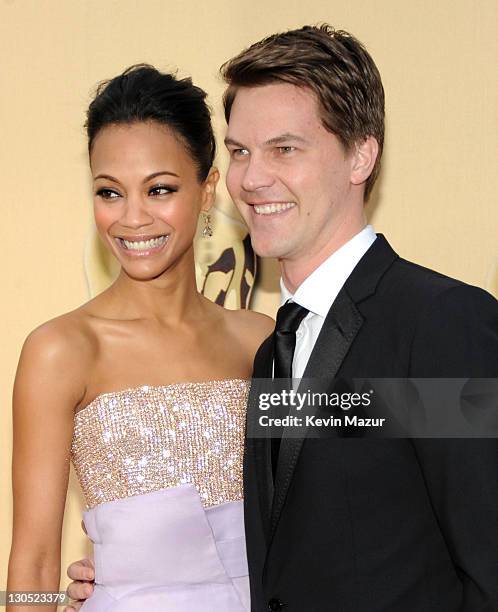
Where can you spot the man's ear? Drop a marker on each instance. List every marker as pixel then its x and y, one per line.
pixel 209 189
pixel 363 159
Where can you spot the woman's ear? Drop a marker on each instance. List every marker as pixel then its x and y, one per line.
pixel 363 158
pixel 209 189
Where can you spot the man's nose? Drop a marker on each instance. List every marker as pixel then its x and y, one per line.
pixel 257 174
pixel 135 213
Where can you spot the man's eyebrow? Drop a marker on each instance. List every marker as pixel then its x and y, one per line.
pixel 233 143
pixel 287 137
pixel 276 140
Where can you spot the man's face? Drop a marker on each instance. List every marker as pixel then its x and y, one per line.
pixel 288 176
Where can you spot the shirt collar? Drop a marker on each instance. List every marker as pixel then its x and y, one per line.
pixel 318 291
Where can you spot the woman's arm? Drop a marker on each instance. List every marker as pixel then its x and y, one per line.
pixel 47 388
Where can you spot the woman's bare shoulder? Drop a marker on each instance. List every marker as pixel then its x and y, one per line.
pixel 56 355
pixel 255 320
pixel 253 326
pixel 64 339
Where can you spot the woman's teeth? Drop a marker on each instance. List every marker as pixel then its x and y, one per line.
pixel 268 209
pixel 143 245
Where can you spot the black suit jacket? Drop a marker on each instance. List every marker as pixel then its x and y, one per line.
pixel 373 525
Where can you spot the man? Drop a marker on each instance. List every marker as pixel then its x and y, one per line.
pixel 346 524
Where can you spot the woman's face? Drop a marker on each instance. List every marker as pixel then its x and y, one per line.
pixel 147 196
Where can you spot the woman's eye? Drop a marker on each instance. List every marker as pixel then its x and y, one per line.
pixel 107 194
pixel 161 190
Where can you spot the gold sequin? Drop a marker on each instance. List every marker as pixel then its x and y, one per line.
pixel 148 438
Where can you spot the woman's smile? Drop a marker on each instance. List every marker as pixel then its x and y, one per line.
pixel 141 246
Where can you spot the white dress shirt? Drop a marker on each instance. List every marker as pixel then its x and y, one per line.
pixel 319 290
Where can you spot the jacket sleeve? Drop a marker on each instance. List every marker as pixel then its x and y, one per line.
pixel 457 337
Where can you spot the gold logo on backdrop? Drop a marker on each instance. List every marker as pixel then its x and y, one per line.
pixel 225 263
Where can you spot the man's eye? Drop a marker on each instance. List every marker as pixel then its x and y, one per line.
pixel 161 190
pixel 107 194
pixel 286 149
pixel 239 152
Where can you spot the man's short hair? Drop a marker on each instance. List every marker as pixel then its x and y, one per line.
pixel 333 65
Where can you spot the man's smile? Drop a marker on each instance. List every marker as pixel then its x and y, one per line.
pixel 269 208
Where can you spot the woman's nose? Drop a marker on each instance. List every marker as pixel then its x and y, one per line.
pixel 135 213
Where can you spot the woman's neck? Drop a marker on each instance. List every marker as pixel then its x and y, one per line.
pixel 168 298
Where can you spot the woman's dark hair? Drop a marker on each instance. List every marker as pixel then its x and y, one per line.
pixel 142 93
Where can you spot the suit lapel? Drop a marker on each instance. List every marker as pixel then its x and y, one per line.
pixel 340 327
pixel 339 330
pixel 257 463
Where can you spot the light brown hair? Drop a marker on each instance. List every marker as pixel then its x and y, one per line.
pixel 332 64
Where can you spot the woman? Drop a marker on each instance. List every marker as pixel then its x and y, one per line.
pixel 145 385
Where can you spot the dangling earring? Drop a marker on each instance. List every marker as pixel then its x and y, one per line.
pixel 207 232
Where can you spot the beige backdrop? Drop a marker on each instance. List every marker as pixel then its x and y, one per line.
pixel 436 199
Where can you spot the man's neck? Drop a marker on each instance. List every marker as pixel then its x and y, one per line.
pixel 295 271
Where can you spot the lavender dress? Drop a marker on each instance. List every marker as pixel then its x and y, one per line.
pixel 161 470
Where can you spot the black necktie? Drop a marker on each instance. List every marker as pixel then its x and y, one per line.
pixel 289 317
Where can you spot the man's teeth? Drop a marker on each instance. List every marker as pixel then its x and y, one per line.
pixel 268 209
pixel 143 245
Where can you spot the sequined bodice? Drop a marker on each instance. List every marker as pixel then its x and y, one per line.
pixel 149 438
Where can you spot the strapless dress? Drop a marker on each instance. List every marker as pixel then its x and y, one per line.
pixel 161 471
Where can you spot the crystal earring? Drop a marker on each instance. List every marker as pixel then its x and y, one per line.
pixel 208 230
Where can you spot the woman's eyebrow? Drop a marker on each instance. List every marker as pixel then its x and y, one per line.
pixel 147 178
